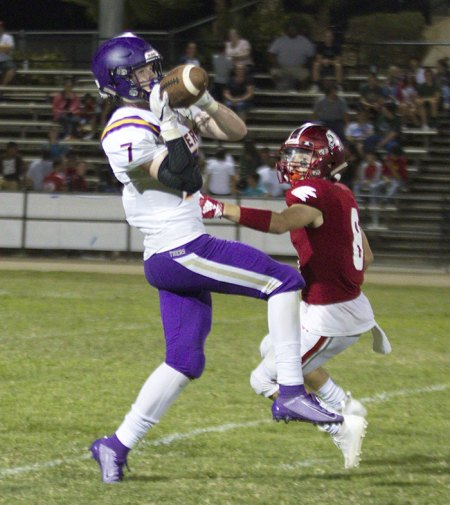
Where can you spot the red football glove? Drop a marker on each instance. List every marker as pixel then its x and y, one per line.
pixel 211 208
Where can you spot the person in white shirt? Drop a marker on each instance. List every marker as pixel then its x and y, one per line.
pixel 7 65
pixel 268 177
pixel 151 149
pixel 221 178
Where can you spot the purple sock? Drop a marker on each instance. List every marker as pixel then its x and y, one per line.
pixel 292 390
pixel 120 449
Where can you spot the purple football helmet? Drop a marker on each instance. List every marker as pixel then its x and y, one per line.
pixel 115 61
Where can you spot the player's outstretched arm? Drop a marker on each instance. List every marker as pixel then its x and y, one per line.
pixel 218 121
pixel 292 218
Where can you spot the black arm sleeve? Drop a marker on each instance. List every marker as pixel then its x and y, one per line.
pixel 179 170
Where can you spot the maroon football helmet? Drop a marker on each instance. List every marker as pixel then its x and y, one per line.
pixel 311 150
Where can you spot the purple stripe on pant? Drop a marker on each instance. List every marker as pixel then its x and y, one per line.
pixel 185 300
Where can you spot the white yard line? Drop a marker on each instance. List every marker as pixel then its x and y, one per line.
pixel 175 437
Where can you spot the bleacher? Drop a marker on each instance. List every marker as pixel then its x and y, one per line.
pixel 415 228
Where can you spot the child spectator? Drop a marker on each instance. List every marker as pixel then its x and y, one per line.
pixel 12 168
pixel 253 187
pixel 369 178
pixel 395 174
pixel 221 179
pixel 66 109
pixel 55 181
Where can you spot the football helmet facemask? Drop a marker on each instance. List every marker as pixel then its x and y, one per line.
pixel 312 150
pixel 115 63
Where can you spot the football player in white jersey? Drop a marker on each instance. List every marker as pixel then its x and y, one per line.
pixel 151 149
pixel 333 253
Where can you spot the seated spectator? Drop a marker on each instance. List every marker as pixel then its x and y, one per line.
pixel 55 181
pixel 238 49
pixel 38 170
pixel 190 56
pixel 7 65
pixel 428 99
pixel 371 96
pixel 395 174
pixel 268 176
pixel 358 131
pixel 239 91
pixel 289 57
pixel 416 70
pixel 368 178
pixel 12 168
pixel 252 187
pixel 392 85
pixel 353 159
pixel 220 171
pixel 222 67
pixel 388 127
pixel 66 109
pixel 332 110
pixel 442 78
pixel 328 60
pixel 76 181
pixel 249 161
pixel 407 105
pixel 89 115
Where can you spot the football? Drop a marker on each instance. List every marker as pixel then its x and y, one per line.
pixel 184 84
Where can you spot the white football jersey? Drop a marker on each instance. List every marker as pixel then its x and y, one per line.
pixel 167 217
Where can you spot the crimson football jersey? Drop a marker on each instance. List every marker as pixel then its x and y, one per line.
pixel 331 256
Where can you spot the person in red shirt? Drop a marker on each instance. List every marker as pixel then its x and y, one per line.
pixel 55 181
pixel 66 110
pixel 395 174
pixel 322 217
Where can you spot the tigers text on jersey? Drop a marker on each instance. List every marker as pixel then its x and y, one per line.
pixel 331 256
pixel 167 218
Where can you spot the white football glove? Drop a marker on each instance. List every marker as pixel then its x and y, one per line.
pixel 207 103
pixel 162 110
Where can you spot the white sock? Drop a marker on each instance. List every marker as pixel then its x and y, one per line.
pixel 332 394
pixel 284 329
pixel 158 393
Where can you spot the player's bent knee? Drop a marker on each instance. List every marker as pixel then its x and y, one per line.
pixel 192 367
pixel 291 280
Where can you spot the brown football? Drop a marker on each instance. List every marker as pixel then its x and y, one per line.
pixel 184 84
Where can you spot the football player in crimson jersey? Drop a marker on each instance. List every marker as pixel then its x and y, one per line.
pixel 151 149
pixel 333 252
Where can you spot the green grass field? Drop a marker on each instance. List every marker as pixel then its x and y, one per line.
pixel 75 349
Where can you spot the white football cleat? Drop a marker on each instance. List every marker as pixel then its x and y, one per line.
pixel 353 407
pixel 349 439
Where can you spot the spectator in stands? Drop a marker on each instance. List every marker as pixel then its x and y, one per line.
pixel 416 70
pixel 38 170
pixel 268 176
pixel 76 181
pixel 190 55
pixel 393 84
pixel 358 131
pixel 7 65
pixel 332 110
pixel 66 109
pixel 252 187
pixel 369 178
pixel 395 174
pixel 89 115
pixel 57 148
pixel 249 161
pixel 388 127
pixel 55 181
pixel 289 57
pixel 407 105
pixel 442 77
pixel 12 168
pixel 222 66
pixel 353 159
pixel 238 49
pixel 327 60
pixel 428 100
pixel 220 171
pixel 239 91
pixel 371 96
